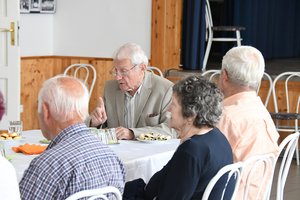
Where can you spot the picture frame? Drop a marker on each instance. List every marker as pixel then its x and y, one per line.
pixel 48 6
pixel 37 6
pixel 25 6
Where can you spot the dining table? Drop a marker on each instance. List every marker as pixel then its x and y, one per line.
pixel 141 159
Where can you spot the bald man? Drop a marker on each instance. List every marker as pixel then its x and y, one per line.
pixel 74 160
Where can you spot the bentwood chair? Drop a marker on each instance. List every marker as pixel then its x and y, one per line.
pixel 286 149
pixel 268 82
pixel 212 75
pixel 286 94
pixel 231 172
pixel 210 29
pixel 263 164
pixel 100 193
pixel 85 72
pixel 155 70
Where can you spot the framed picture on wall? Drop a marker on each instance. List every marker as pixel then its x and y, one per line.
pixel 25 6
pixel 37 6
pixel 48 6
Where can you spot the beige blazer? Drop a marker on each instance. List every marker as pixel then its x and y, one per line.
pixel 151 114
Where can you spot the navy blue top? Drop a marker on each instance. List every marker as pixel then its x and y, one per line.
pixel 191 168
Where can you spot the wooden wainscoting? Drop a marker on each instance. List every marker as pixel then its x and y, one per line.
pixel 35 70
pixel 166 33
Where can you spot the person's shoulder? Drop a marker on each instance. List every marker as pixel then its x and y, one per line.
pixel 45 159
pixel 216 134
pixel 160 81
pixel 201 140
pixel 190 144
pixel 87 146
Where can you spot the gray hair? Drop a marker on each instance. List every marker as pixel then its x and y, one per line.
pixel 133 52
pixel 66 96
pixel 244 65
pixel 201 99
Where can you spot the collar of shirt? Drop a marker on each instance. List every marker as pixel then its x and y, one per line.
pixel 137 92
pixel 67 132
pixel 232 100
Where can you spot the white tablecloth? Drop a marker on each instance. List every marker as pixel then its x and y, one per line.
pixel 141 160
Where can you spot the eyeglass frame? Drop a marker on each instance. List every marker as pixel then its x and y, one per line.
pixel 114 71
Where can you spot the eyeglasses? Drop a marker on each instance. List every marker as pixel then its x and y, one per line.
pixel 121 72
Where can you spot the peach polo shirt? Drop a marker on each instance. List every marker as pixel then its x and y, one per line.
pixel 249 128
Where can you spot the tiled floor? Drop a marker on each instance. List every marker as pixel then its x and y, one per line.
pixel 292 186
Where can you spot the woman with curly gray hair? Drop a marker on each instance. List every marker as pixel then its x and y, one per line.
pixel 195 109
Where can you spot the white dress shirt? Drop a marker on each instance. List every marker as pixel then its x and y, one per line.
pixel 9 188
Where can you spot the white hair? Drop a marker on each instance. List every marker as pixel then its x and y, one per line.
pixel 67 98
pixel 133 52
pixel 244 65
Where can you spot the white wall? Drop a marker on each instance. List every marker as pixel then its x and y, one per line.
pixel 89 28
pixel 36 34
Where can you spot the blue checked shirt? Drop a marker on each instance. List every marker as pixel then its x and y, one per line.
pixel 75 160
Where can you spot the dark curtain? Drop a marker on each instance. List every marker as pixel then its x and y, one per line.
pixel 272 26
pixel 193 34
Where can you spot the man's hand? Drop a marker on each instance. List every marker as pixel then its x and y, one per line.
pixel 98 116
pixel 124 133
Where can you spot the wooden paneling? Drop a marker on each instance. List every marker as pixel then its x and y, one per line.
pixel 165 54
pixel 35 70
pixel 294 93
pixel 166 33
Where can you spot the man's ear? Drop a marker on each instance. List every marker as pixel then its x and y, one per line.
pixel 46 112
pixel 143 67
pixel 225 75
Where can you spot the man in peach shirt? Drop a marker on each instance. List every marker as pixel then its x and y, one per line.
pixel 246 122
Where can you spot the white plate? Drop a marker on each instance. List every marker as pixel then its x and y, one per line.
pixel 151 141
pixel 8 144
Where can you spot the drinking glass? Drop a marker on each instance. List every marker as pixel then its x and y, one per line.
pixel 103 136
pixel 2 150
pixel 15 127
pixel 94 131
pixel 112 137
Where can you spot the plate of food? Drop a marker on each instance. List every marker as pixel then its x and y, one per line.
pixel 153 138
pixel 10 136
pixel 9 140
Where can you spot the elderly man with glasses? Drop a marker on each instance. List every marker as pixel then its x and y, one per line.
pixel 137 100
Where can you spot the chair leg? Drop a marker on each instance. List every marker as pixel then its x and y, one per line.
pixel 238 38
pixel 208 46
pixel 297 154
